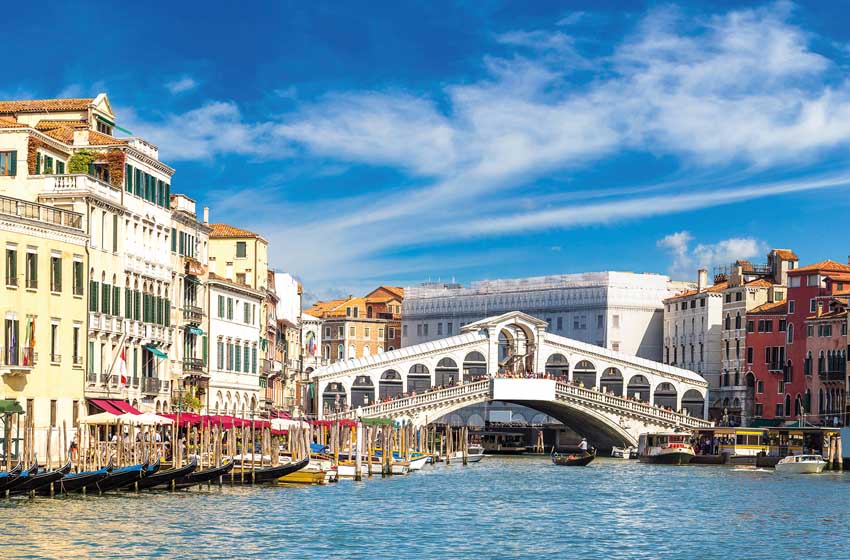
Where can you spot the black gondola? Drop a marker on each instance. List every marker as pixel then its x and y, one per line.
pixel 573 459
pixel 199 477
pixel 23 477
pixel 164 478
pixel 153 468
pixel 268 474
pixel 119 478
pixel 76 482
pixel 6 477
pixel 42 479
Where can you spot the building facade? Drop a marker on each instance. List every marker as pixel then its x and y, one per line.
pixel 43 352
pixel 67 157
pixel 621 311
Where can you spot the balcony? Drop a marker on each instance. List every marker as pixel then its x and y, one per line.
pixel 41 213
pixel 151 385
pixel 79 185
pixel 193 315
pixel 194 366
pixel 832 375
pixel 17 360
pixel 55 359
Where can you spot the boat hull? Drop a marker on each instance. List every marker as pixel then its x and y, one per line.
pixel 199 477
pixel 800 468
pixel 269 474
pixel 121 478
pixel 163 479
pixel 77 482
pixel 671 458
pixel 573 460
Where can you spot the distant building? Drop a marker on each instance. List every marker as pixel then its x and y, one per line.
pixel 355 327
pixel 622 311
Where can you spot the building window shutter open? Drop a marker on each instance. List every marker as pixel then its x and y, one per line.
pixel 13 163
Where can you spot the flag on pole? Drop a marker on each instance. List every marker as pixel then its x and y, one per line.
pixel 121 366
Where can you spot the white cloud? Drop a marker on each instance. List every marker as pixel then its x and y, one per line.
pixel 182 84
pixel 686 260
pixel 734 97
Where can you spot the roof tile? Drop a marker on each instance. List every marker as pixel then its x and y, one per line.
pixel 38 105
pixel 225 231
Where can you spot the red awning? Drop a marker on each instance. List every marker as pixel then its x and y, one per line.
pixel 107 406
pixel 114 406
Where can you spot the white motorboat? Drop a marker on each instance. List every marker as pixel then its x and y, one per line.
pixel 419 462
pixel 474 453
pixel 624 452
pixel 801 464
pixel 665 449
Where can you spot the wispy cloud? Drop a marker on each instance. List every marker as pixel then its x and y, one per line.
pixel 685 260
pixel 182 84
pixel 735 96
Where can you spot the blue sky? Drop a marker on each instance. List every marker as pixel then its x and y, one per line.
pixel 398 143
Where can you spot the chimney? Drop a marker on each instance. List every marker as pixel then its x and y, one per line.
pixel 81 137
pixel 228 271
pixel 702 279
pixel 206 214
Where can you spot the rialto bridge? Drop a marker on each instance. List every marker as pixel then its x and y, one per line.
pixel 608 396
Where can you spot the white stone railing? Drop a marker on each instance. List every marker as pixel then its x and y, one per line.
pixel 564 390
pixel 408 403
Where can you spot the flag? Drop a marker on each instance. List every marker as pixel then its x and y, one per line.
pixel 121 366
pixel 26 358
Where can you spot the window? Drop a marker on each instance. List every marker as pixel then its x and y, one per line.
pixel 738 296
pixel 561 322
pixel 366 332
pixel 813 305
pixel 254 359
pixel 220 355
pixel 77 280
pixel 812 280
pixel 77 359
pixel 759 410
pixel 782 325
pixel 229 309
pixel 53 413
pixel 738 321
pixel 380 332
pixel 327 332
pixel 32 270
pixel 749 354
pixel 790 333
pixel 749 326
pixel 340 352
pixel 11 267
pixel 55 274
pixel 348 312
pixel 780 409
pixel 439 329
pixel 247 364
pixel 760 387
pixel 702 302
pixel 241 249
pixel 780 388
pixel 791 306
pixel 419 329
pixel 404 327
pixel 600 321
pixel 449 328
pixel 615 320
pixel 352 331
pixel 340 332
pixel 728 298
pixel 54 343
pixel 240 278
pixel 425 329
pixel 392 332
pixel 9 163
pixel 356 311
pixel 247 313
pixel 768 325
pixel 810 330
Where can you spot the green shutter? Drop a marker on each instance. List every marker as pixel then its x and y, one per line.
pixel 204 348
pixel 221 307
pixel 173 240
pixel 104 306
pixel 115 233
pixel 254 359
pixel 128 304
pixel 13 163
pixel 93 296
pixel 60 167
pixel 38 164
pixel 116 301
pixel 168 196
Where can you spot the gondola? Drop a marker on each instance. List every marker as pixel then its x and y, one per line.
pixel 23 477
pixel 75 482
pixel 573 459
pixel 164 478
pixel 268 474
pixel 119 478
pixel 153 468
pixel 6 477
pixel 41 479
pixel 199 477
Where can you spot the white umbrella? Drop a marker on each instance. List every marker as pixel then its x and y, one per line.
pixel 100 419
pixel 286 424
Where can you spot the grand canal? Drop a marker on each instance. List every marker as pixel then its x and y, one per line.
pixel 503 507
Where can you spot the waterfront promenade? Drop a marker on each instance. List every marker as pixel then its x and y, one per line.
pixel 522 507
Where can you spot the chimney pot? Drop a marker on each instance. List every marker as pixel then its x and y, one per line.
pixel 702 279
pixel 206 214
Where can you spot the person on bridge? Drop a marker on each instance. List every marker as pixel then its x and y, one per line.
pixel 583 445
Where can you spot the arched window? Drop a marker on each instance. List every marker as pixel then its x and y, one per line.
pixel 790 333
pixel 585 373
pixel 728 322
pixel 362 391
pixel 787 405
pixel 612 381
pixel 474 365
pixel 327 351
pixel 738 320
pixel 340 352
pixel 446 373
pixel 418 379
pixel 334 398
pixel 665 396
pixel 390 384
pixel 558 367
pixel 366 351
pixel 638 388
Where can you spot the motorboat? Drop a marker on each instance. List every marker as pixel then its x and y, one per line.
pixel 665 449
pixel 801 464
pixel 624 452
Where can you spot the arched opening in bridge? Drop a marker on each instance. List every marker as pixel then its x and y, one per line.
pixel 516 349
pixel 693 402
pixel 638 388
pixel 418 379
pixel 474 366
pixel 390 384
pixel 446 373
pixel 362 391
pixel 585 374
pixel 665 396
pixel 612 381
pixel 558 367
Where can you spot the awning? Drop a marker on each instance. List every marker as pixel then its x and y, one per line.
pixel 115 406
pixel 196 330
pixel 110 123
pixel 156 351
pixel 192 279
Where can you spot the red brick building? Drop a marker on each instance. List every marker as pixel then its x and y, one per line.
pixel 826 359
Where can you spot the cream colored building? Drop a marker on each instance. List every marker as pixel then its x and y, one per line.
pixel 43 303
pixel 66 156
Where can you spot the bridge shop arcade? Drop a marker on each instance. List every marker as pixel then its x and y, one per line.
pixel 604 395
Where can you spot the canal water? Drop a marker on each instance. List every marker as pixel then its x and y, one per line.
pixel 522 507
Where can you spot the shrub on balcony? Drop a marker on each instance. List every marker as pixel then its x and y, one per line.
pixel 80 161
